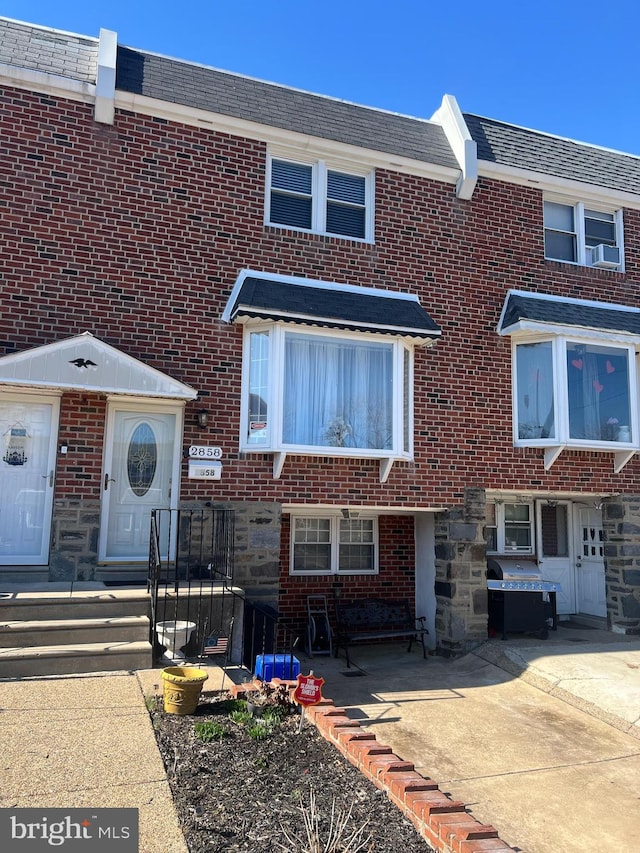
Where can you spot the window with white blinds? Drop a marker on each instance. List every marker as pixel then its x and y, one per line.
pixel 315 197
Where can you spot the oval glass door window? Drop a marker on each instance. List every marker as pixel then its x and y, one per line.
pixel 142 459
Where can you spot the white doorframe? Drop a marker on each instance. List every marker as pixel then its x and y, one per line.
pixel 141 406
pixel 47 474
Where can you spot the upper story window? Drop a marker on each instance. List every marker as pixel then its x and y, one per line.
pixel 319 197
pixel 331 544
pixel 579 234
pixel 327 367
pixel 574 375
pixel 326 392
pixel 574 392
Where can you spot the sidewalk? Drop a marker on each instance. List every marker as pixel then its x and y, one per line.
pixel 87 741
pixel 540 739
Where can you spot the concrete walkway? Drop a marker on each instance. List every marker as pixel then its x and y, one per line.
pixel 87 742
pixel 540 739
pixel 554 767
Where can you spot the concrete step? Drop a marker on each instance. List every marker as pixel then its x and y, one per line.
pixel 89 604
pixel 17 575
pixel 70 631
pixel 68 659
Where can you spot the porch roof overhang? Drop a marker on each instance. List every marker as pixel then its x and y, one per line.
pixel 530 312
pixel 260 296
pixel 85 363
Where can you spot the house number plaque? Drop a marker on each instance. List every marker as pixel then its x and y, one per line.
pixel 200 451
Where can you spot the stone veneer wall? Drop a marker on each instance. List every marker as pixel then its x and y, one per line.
pixel 461 572
pixel 76 527
pixel 621 524
pixel 74 539
pixel 257 549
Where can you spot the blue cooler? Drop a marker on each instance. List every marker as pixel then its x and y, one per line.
pixel 277 666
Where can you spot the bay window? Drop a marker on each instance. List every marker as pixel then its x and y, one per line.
pixel 327 392
pixel 575 392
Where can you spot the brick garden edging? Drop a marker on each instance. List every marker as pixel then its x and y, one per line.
pixel 444 823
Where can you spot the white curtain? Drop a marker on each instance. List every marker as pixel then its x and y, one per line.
pixel 337 393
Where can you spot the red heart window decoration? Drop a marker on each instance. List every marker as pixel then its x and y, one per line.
pixel 597 386
pixel 577 363
pixel 610 367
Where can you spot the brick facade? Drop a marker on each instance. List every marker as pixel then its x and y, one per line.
pixel 137 232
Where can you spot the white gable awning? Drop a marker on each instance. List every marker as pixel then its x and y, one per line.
pixel 85 363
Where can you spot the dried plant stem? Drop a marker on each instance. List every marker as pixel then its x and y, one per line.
pixel 340 839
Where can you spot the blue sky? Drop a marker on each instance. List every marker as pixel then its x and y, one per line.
pixel 561 66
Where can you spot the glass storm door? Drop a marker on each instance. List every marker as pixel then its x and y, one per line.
pixel 555 550
pixel 140 456
pixel 590 563
pixel 28 435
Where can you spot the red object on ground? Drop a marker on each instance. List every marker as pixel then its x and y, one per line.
pixel 309 690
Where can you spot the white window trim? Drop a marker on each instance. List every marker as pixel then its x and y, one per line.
pixel 623 451
pixel 501 547
pixel 581 247
pixel 274 443
pixel 334 518
pixel 320 168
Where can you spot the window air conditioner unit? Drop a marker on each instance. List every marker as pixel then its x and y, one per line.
pixel 607 257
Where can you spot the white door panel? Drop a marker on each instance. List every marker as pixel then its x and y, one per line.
pixel 555 550
pixel 590 563
pixel 140 462
pixel 28 435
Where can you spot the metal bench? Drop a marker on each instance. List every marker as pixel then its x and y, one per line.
pixel 376 619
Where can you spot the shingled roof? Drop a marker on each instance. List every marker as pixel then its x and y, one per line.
pixel 538 308
pixel 509 145
pixel 49 51
pixel 332 307
pixel 192 85
pixel 279 106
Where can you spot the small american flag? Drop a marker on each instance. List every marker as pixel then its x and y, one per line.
pixel 216 645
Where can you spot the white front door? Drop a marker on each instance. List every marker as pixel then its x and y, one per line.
pixel 28 435
pixel 141 473
pixel 591 589
pixel 555 551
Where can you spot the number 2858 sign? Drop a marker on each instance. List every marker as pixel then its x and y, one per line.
pixel 200 451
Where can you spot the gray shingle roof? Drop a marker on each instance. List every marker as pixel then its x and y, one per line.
pixel 509 145
pixel 49 51
pixel 334 307
pixel 278 106
pixel 568 313
pixel 138 72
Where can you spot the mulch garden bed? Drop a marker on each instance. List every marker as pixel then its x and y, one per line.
pixel 242 782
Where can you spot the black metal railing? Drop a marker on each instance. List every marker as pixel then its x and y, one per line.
pixel 190 573
pixel 190 578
